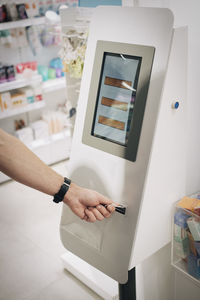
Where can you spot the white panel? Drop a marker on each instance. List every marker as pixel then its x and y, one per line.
pixel 103 285
pixel 185 288
pixel 165 179
pixel 107 244
pixel 128 2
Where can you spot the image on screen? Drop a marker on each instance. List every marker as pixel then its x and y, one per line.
pixel 116 97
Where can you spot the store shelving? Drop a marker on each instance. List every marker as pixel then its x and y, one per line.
pixel 53 85
pixel 23 109
pixel 55 148
pixel 50 139
pixel 19 83
pixel 22 23
pixel 47 86
pixel 50 150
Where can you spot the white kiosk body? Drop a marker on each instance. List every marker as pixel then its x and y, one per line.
pixel 129 143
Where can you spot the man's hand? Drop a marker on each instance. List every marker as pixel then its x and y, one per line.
pixel 86 203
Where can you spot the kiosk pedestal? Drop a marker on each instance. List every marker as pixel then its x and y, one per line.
pixel 127 291
pixel 129 137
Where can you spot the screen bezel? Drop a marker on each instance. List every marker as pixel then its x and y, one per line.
pixel 128 151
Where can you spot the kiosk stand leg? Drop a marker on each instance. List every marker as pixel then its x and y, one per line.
pixel 127 291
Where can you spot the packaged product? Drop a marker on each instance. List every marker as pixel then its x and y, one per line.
pixel 5 101
pixel 40 129
pixel 189 203
pixel 38 93
pixel 25 135
pixel 12 11
pixel 18 99
pixel 21 10
pixel 2 74
pixel 29 94
pixel 10 72
pixel 4 17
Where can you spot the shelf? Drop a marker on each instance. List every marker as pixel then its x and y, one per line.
pixel 49 140
pixel 22 23
pixel 21 110
pixel 47 86
pixel 54 85
pixel 181 267
pixel 51 150
pixel 19 83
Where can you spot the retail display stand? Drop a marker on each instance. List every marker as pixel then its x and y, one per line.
pixel 129 140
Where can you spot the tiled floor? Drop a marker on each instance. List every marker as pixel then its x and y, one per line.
pixel 30 247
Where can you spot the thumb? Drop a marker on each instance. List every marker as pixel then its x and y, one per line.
pixel 104 200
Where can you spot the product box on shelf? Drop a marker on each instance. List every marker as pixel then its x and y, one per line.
pixel 25 135
pixel 7 73
pixel 5 101
pixel 12 11
pixel 31 65
pixel 28 91
pixel 37 90
pixel 21 11
pixel 32 8
pixel 18 99
pixel 54 70
pixel 40 129
pixel 4 16
pixel 186 237
pixel 2 74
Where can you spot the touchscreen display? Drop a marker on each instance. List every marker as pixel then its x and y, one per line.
pixel 116 97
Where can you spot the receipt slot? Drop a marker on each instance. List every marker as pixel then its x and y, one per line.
pixel 129 143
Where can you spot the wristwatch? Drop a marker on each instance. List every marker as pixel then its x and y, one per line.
pixel 59 196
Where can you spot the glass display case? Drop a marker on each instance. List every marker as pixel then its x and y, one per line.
pixel 186 237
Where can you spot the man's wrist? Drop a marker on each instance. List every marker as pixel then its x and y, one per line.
pixel 71 194
pixel 59 196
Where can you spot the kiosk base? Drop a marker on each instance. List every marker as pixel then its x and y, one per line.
pixel 127 291
pixel 101 284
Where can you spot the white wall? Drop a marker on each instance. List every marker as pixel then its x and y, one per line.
pixel 187 13
pixel 156 279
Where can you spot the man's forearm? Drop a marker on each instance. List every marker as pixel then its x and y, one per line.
pixel 18 162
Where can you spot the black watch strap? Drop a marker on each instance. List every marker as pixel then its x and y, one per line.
pixel 58 197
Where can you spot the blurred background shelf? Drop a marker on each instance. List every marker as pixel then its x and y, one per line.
pixel 50 139
pixel 54 84
pixel 50 150
pixel 20 110
pixel 19 83
pixel 22 23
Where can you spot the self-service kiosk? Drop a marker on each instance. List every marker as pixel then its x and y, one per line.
pixel 129 137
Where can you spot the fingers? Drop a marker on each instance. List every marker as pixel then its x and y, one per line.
pixel 104 200
pixel 110 208
pixel 105 211
pixel 98 215
pixel 90 216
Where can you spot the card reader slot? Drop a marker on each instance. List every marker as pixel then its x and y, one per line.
pixel 124 84
pixel 114 103
pixel 112 123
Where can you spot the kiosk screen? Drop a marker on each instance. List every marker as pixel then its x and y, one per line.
pixel 116 97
